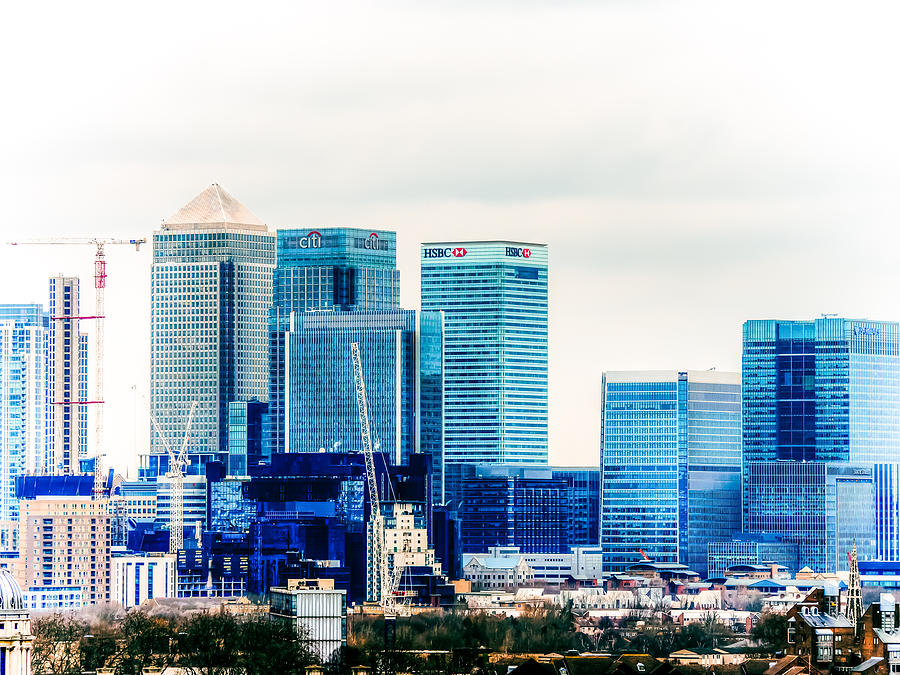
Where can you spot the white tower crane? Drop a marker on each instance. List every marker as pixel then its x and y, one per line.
pixel 175 474
pixel 99 315
pixel 383 580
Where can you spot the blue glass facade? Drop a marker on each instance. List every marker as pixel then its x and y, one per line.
pixel 211 289
pixel 24 406
pixel 538 508
pixel 494 299
pixel 513 506
pixel 329 269
pixel 752 549
pixel 401 361
pixel 821 404
pixel 671 465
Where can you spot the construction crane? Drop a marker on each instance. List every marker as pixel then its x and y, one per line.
pixel 99 243
pixel 384 582
pixel 177 464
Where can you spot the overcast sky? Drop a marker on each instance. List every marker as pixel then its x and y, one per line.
pixel 690 165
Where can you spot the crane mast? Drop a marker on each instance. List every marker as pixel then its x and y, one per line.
pixel 380 574
pixel 175 474
pixel 99 315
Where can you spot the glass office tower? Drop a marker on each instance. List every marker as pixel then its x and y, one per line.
pixel 494 298
pixel 401 359
pixel 24 406
pixel 328 269
pixel 671 465
pixel 211 289
pixel 821 410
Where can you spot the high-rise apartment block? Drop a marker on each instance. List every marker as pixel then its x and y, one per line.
pixel 67 375
pixel 671 465
pixel 24 406
pixel 494 298
pixel 323 270
pixel 211 288
pixel 64 537
pixel 821 416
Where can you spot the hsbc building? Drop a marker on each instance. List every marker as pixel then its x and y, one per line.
pixel 494 298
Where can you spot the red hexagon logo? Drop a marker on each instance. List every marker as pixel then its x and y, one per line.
pixel 526 252
pixel 459 252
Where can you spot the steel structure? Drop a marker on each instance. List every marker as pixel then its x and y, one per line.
pixel 386 584
pixel 99 315
pixel 175 474
pixel 854 591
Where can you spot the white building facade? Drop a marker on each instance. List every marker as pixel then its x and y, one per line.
pixel 136 578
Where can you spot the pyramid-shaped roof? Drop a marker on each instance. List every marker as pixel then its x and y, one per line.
pixel 214 206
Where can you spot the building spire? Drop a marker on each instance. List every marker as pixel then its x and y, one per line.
pixel 854 593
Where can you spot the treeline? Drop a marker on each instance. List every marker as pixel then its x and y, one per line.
pixel 544 630
pixel 207 643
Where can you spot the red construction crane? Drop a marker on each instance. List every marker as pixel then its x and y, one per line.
pixel 99 314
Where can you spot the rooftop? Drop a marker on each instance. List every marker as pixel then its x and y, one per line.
pixel 214 206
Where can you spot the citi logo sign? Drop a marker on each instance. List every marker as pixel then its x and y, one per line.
pixel 513 252
pixel 457 252
pixel 312 240
pixel 373 243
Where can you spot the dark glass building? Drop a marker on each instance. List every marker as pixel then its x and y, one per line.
pixel 821 410
pixel 671 465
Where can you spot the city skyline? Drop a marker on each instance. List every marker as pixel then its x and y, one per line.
pixel 684 178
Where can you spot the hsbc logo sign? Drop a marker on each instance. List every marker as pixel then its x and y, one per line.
pixel 514 252
pixel 312 240
pixel 457 252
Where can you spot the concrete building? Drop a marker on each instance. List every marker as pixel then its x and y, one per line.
pixel 494 298
pixel 67 374
pixel 316 610
pixel 671 464
pixel 406 543
pixel 211 289
pixel 583 563
pixel 64 536
pixel 193 501
pixel 136 578
pixel 54 599
pixel 492 572
pixel 15 628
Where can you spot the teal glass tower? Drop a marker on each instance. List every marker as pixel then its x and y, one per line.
pixel 821 412
pixel 670 465
pixel 24 406
pixel 211 289
pixel 494 298
pixel 335 269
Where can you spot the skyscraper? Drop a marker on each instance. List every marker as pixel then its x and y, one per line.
pixel 671 465
pixel 24 406
pixel 67 379
pixel 329 269
pixel 821 408
pixel 211 289
pixel 494 298
pixel 402 368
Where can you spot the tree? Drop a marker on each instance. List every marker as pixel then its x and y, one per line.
pixel 146 642
pixel 208 644
pixel 771 630
pixel 268 646
pixel 56 645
